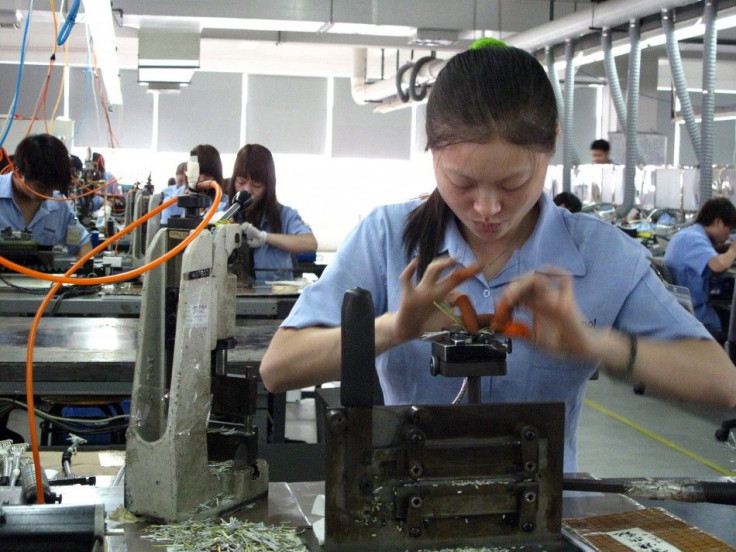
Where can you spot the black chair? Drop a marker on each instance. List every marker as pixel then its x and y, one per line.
pixel 730 347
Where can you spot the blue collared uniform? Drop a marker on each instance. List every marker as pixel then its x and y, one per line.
pixel 687 257
pixel 267 260
pixel 614 287
pixel 54 222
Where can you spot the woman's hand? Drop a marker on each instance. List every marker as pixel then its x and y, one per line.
pixel 557 324
pixel 417 312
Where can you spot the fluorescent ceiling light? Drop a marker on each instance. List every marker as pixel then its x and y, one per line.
pixel 165 74
pixel 98 18
pixel 376 30
pixel 433 38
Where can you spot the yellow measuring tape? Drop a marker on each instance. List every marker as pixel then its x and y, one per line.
pixel 666 442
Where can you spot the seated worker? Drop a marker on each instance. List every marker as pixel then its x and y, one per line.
pixel 569 201
pixel 86 203
pixel 692 258
pixel 180 184
pixel 111 183
pixel 274 231
pixel 600 151
pixel 42 163
pixel 6 161
pixel 210 168
pixel 585 289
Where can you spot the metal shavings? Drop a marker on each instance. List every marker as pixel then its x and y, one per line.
pixel 477 482
pixel 224 431
pixel 218 468
pixel 484 549
pixel 225 536
pixel 121 515
pixel 216 502
pixel 448 311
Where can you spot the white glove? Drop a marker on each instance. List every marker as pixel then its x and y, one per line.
pixel 254 236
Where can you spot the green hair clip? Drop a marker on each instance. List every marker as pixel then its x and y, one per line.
pixel 485 42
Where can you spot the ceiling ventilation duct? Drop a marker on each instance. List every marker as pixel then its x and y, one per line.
pixel 167 57
pixel 10 19
pixel 433 38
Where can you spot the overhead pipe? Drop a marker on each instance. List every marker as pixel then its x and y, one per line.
pixel 605 14
pixel 710 37
pixel 632 122
pixel 365 93
pixel 569 155
pixel 614 85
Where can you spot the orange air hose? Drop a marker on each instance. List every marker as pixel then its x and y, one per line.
pixel 94 281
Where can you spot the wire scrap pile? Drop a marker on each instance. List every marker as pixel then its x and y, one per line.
pixel 225 536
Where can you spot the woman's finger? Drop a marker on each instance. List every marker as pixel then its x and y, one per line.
pixel 435 268
pixel 408 274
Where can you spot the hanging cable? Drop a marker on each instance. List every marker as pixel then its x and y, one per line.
pixel 14 104
pixel 66 28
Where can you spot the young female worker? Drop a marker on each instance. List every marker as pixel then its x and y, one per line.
pixel 273 230
pixel 584 288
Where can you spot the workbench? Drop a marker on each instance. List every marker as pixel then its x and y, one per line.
pixel 124 300
pixel 291 504
pixel 95 357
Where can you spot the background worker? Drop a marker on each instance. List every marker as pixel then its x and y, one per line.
pixel 600 152
pixel 273 230
pixel 210 168
pixel 42 163
pixel 569 201
pixel 692 258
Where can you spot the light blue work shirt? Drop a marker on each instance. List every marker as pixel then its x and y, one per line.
pixel 687 257
pixel 614 287
pixel 175 210
pixel 54 222
pixel 267 259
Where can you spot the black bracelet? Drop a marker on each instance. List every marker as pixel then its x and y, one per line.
pixel 632 354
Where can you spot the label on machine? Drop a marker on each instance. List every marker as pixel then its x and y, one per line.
pixel 196 316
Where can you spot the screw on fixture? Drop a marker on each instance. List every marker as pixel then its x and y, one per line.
pixel 527 526
pixel 416 502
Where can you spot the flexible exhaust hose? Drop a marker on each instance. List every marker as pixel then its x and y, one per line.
pixel 569 156
pixel 632 112
pixel 709 100
pixel 614 85
pixel 554 79
pixel 678 77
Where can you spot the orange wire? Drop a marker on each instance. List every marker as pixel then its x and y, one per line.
pixel 42 97
pixel 94 281
pixel 17 175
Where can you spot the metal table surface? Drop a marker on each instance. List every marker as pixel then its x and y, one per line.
pixel 96 356
pixel 125 300
pixel 291 504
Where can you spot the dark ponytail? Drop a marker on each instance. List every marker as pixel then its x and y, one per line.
pixel 425 229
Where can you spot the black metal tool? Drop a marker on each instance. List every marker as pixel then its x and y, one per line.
pixel 359 384
pixel 682 490
pixel 457 353
pixel 41 528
